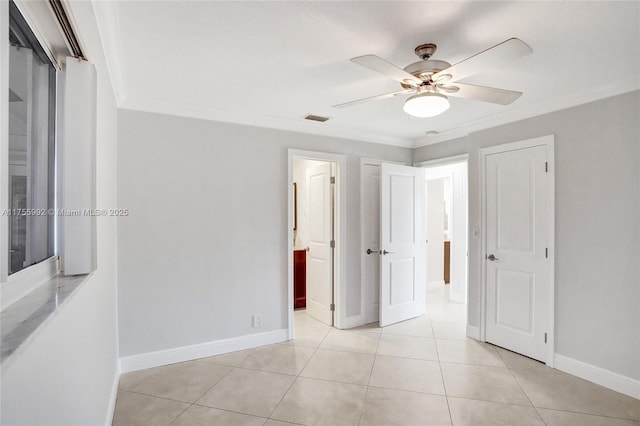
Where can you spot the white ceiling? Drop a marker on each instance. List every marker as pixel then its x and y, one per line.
pixel 270 63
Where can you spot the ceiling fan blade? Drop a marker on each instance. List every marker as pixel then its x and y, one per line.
pixel 372 98
pixel 377 64
pixel 493 57
pixel 481 93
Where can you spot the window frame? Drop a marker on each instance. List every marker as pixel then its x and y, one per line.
pixel 19 284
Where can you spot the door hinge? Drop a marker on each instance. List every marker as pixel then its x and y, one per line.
pixel 546 252
pixel 332 243
pixel 332 307
pixel 546 167
pixel 333 179
pixel 545 337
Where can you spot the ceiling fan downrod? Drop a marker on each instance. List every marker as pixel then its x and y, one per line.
pixel 425 51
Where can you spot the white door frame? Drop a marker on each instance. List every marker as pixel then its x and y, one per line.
pixel 340 233
pixel 547 141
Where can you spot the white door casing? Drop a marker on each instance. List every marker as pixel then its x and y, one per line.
pixel 459 234
pixel 370 217
pixel 402 239
pixel 320 234
pixel 518 221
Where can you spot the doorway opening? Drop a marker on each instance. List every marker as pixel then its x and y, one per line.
pixel 447 228
pixel 315 243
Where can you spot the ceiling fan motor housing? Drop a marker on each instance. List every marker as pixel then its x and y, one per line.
pixel 424 69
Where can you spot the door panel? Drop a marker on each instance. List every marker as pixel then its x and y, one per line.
pixel 519 287
pixel 402 239
pixel 402 220
pixel 516 227
pixel 400 272
pixel 319 259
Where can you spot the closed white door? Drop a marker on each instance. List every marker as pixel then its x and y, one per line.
pixel 320 255
pixel 517 271
pixel 371 240
pixel 402 240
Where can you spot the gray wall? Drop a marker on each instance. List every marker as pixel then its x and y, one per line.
pixel 597 165
pixel 205 246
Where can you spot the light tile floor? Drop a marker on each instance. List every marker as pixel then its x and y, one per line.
pixel 419 372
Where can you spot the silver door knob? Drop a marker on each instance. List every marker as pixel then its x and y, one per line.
pixel 387 252
pixel 369 251
pixel 492 258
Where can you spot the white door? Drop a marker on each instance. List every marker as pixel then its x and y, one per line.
pixel 371 240
pixel 319 257
pixel 402 240
pixel 517 271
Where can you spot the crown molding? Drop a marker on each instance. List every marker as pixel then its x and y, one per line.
pixel 626 85
pixel 240 117
pixel 204 112
pixel 108 23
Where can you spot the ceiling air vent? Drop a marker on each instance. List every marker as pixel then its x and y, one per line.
pixel 317 118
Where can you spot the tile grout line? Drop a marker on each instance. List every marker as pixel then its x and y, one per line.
pixel 366 392
pixel 151 376
pixel 176 400
pixel 200 397
pixel 522 389
pixel 561 410
pixel 226 410
pixel 258 370
pixel 183 411
pixel 164 399
pixel 298 375
pixel 590 414
pixel 492 402
pixel 444 386
pixel 232 368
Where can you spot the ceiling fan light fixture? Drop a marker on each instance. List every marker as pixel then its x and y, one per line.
pixel 427 104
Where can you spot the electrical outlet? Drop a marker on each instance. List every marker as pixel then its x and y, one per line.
pixel 256 320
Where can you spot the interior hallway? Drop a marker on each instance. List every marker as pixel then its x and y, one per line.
pixel 419 372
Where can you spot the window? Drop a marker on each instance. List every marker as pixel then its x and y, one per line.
pixel 32 88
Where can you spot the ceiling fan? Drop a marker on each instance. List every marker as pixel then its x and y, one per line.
pixel 430 81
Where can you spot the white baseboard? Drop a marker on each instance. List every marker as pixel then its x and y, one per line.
pixel 600 376
pixel 351 322
pixel 473 332
pixel 201 350
pixel 114 395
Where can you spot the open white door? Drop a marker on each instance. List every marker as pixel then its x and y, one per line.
pixel 402 241
pixel 370 228
pixel 517 267
pixel 320 255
